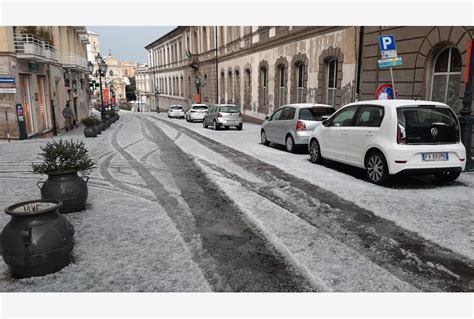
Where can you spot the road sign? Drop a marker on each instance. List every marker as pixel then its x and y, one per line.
pixel 387 46
pixel 388 63
pixel 384 92
pixel 7 84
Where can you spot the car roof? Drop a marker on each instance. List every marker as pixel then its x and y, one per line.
pixel 225 104
pixel 397 103
pixel 198 105
pixel 176 105
pixel 304 105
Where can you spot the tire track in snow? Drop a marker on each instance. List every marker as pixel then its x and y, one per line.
pixel 404 253
pixel 240 255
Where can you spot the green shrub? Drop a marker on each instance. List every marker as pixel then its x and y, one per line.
pixel 90 121
pixel 63 157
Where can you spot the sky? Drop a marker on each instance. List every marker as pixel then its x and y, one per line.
pixel 128 43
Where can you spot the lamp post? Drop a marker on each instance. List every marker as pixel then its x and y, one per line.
pixel 90 68
pixel 101 71
pixel 157 99
pixel 465 118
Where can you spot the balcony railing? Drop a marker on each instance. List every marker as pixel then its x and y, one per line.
pixel 73 61
pixel 29 46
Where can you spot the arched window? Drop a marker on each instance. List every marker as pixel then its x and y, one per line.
pixel 111 73
pixel 264 85
pixel 237 87
pixel 300 82
pixel 248 89
pixel 446 78
pixel 331 82
pixel 195 43
pixel 204 39
pixel 230 93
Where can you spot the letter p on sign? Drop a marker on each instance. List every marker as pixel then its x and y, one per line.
pixel 387 46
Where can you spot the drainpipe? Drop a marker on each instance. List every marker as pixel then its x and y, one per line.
pixel 217 68
pixel 359 61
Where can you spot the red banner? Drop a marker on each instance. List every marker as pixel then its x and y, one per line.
pixel 106 96
pixel 468 61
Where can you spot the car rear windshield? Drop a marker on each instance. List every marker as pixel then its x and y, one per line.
pixel 315 113
pixel 229 109
pixel 427 124
pixel 176 107
pixel 199 107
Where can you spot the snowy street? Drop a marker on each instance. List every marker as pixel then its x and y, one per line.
pixel 176 207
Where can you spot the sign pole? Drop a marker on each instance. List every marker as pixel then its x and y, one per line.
pixel 393 84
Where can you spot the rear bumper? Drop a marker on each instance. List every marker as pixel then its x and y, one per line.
pixel 196 116
pixel 408 158
pixel 428 171
pixel 302 138
pixel 224 122
pixel 176 115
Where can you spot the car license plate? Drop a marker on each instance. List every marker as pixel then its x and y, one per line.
pixel 434 156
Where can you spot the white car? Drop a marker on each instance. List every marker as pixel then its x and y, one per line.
pixel 387 137
pixel 176 111
pixel 196 112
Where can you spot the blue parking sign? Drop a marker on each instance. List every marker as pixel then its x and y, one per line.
pixel 387 46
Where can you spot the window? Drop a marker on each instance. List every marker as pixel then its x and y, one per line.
pixel 344 117
pixel 204 39
pixel 300 82
pixel 263 85
pixel 331 82
pixel 282 85
pixel 447 77
pixel 370 116
pixel 111 73
pixel 288 113
pixel 315 113
pixel 276 116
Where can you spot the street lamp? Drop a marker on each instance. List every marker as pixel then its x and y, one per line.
pixel 101 72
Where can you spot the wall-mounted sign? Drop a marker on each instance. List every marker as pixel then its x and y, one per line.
pixel 33 67
pixel 7 84
pixel 387 46
pixel 388 63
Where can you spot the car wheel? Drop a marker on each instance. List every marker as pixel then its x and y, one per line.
pixel 290 144
pixel 239 127
pixel 216 127
pixel 204 124
pixel 376 168
pixel 315 152
pixel 447 177
pixel 263 138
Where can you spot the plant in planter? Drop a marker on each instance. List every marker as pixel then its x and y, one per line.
pixel 61 161
pixel 37 240
pixel 91 124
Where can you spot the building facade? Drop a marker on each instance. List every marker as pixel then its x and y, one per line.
pixel 49 68
pixel 143 85
pixel 258 68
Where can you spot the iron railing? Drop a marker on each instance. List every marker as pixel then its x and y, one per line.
pixel 31 46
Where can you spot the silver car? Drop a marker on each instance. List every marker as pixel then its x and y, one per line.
pixel 176 111
pixel 291 125
pixel 196 112
pixel 223 115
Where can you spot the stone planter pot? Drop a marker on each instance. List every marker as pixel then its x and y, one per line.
pixel 68 188
pixel 37 240
pixel 103 127
pixel 97 129
pixel 89 131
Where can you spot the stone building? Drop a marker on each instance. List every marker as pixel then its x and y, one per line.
pixel 143 85
pixel 49 67
pixel 258 68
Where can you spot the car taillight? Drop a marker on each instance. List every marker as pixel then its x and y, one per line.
pixel 300 126
pixel 401 134
pixel 219 114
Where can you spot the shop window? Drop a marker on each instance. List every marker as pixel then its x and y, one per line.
pixel 331 82
pixel 446 79
pixel 300 81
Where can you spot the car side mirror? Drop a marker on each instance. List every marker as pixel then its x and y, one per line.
pixel 267 118
pixel 325 123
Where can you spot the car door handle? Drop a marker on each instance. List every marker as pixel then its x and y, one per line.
pixel 369 134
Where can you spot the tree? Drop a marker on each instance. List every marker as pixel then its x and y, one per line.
pixel 130 90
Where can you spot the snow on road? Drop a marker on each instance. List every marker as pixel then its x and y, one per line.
pixel 442 214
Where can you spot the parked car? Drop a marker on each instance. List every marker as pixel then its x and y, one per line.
pixel 196 112
pixel 387 137
pixel 223 115
pixel 176 111
pixel 291 125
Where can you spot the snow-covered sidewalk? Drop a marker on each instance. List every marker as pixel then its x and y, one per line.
pixel 124 240
pixel 441 214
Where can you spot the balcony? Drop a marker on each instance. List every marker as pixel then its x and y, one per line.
pixel 29 46
pixel 193 61
pixel 73 61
